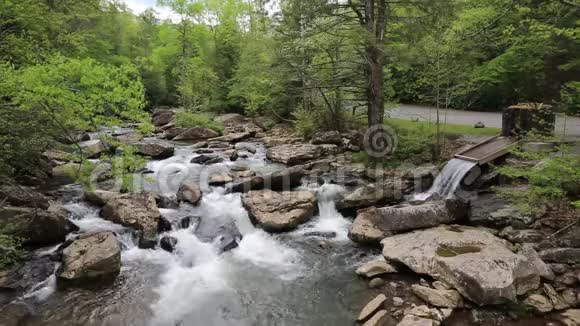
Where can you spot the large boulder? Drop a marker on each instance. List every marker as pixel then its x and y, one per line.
pixel 129 137
pixel 161 118
pixel 479 265
pixel 23 196
pixel 99 197
pixel 370 195
pixel 235 137
pixel 294 154
pixel 197 133
pixel 374 224
pixel 281 180
pixel 561 255
pixel 189 192
pixel 157 150
pixel 36 227
pixel 138 210
pixel 92 148
pixel 172 132
pixel 327 137
pixel 438 297
pixel 279 211
pixel 90 257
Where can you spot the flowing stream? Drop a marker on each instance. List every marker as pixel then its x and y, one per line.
pixel 448 180
pixel 285 279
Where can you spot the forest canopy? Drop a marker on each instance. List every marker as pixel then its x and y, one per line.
pixel 80 64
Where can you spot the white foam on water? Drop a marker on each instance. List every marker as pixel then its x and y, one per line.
pixel 261 249
pixel 328 218
pixel 448 180
pixel 42 290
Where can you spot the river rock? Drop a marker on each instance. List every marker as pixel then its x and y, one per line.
pixel 424 312
pixel 479 265
pixel 544 270
pixel 372 307
pixel 561 255
pixel 279 211
pixel 375 268
pixel 163 117
pixel 378 319
pixel 327 137
pixel 570 238
pixel 220 179
pixel 411 320
pixel 555 298
pixel 172 132
pixel 99 197
pixel 369 195
pixel 539 302
pixel 377 283
pixel 190 221
pixel 129 137
pixel 229 118
pixel 438 298
pixel 189 192
pixel 235 137
pixel 23 196
pixel 164 201
pixel 35 227
pixel 156 150
pixel 202 159
pixel 522 236
pixel 136 210
pixel 281 180
pixel 228 241
pixel 321 234
pixel 293 154
pixel 92 148
pixel 248 147
pixel 91 257
pixel 197 133
pixel 214 160
pixel 374 224
pixel 570 317
pixel 168 243
pixel 570 297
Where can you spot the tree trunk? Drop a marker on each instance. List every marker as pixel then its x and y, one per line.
pixel 375 21
pixel 375 96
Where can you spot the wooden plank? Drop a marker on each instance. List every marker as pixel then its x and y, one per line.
pixel 487 150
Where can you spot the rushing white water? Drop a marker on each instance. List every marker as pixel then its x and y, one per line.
pixel 329 220
pixel 448 180
pixel 269 277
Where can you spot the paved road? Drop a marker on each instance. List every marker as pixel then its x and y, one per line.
pixel 490 119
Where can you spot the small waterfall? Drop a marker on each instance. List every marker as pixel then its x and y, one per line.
pixel 448 180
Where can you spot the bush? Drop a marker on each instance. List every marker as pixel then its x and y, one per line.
pixel 554 179
pixel 189 119
pixel 305 123
pixel 10 250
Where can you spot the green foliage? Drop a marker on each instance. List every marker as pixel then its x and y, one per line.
pixel 254 82
pixel 554 179
pixel 11 250
pixel 305 122
pixel 189 119
pixel 121 168
pixel 61 98
pixel 447 129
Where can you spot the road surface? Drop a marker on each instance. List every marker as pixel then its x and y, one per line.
pixel 490 119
